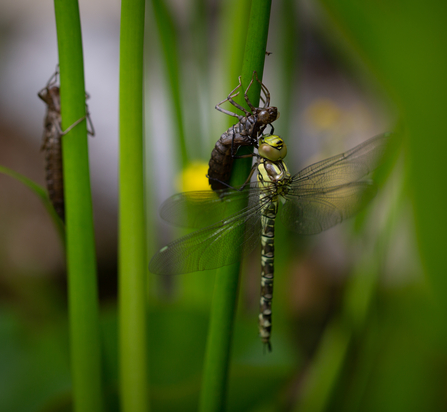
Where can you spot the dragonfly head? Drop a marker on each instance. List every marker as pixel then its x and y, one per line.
pixel 267 115
pixel 272 147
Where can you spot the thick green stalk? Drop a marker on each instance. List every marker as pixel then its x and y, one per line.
pixel 168 40
pixel 254 58
pixel 132 235
pixel 232 43
pixel 217 358
pixel 81 259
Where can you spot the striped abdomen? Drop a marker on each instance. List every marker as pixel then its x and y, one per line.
pixel 274 178
pixel 267 264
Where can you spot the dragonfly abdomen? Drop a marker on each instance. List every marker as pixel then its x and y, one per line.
pixel 267 264
pixel 54 173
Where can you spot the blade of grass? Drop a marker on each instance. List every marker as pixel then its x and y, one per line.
pixel 217 357
pixel 42 194
pixel 132 221
pixel 81 259
pixel 331 356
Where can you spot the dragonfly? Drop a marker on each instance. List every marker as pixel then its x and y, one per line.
pixel 52 143
pixel 309 202
pixel 243 133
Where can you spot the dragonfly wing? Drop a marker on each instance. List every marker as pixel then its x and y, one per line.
pixel 203 208
pixel 343 168
pixel 215 246
pixel 319 210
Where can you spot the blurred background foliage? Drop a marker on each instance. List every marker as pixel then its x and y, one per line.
pixel 359 311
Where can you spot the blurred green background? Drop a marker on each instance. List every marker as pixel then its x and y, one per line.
pixel 359 311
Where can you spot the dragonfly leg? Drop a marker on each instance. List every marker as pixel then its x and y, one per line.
pixel 90 128
pixel 219 181
pixel 265 90
pixel 230 96
pixel 253 109
pixel 245 183
pixel 261 131
pixel 64 132
pixel 244 156
pixel 230 99
pixel 87 118
pixel 53 79
pixel 253 168
pixel 217 107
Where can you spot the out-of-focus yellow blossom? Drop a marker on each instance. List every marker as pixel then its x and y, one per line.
pixel 323 114
pixel 193 177
pixel 326 116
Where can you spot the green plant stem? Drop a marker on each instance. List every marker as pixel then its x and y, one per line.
pixel 217 357
pixel 254 58
pixel 132 234
pixel 81 259
pixel 168 40
pixel 232 45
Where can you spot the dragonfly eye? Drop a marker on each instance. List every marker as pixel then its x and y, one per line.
pixel 272 148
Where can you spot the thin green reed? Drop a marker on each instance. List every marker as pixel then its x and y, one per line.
pixel 217 358
pixel 132 222
pixel 81 258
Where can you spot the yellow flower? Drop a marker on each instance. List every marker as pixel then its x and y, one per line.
pixel 193 177
pixel 323 114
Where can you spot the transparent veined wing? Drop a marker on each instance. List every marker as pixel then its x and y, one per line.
pixel 220 244
pixel 203 208
pixel 327 192
pixel 319 210
pixel 343 168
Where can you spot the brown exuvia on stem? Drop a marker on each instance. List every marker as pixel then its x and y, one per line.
pixel 52 143
pixel 244 133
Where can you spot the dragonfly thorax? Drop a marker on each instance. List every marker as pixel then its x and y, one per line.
pixel 273 172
